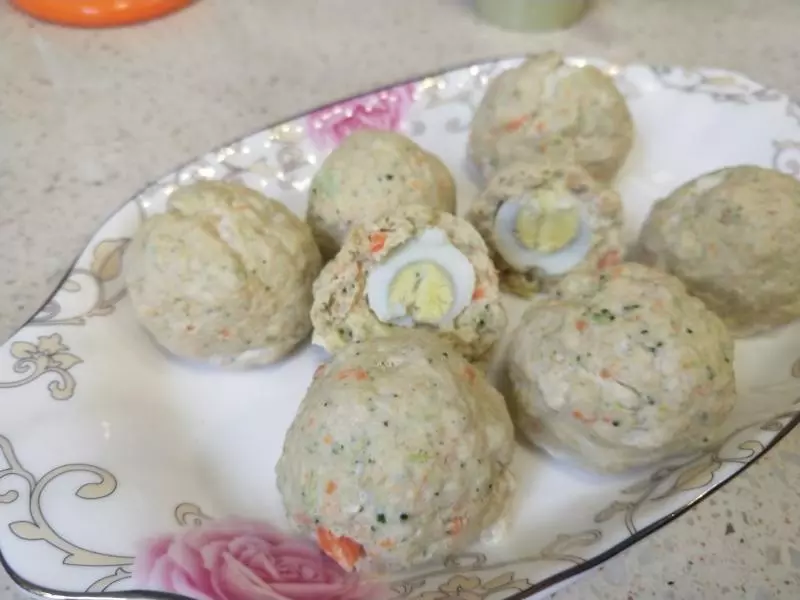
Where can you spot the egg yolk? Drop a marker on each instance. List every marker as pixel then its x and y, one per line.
pixel 425 290
pixel 546 228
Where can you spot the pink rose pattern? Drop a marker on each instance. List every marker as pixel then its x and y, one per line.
pixel 245 560
pixel 382 110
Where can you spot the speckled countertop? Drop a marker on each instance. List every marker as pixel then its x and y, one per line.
pixel 87 117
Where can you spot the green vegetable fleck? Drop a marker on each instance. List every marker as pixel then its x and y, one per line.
pixel 419 457
pixel 603 316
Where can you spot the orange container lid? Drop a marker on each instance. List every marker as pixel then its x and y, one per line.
pixel 98 13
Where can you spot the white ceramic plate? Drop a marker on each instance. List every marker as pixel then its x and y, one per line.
pixel 106 440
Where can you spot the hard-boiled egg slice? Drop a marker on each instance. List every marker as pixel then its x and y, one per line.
pixel 425 281
pixel 546 231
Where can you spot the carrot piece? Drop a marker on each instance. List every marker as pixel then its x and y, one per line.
pixel 582 417
pixel 605 373
pixel 344 550
pixel 469 373
pixel 581 325
pixel 225 332
pixel 480 292
pixel 330 487
pixel 327 439
pixel 319 370
pixel 609 259
pixel 357 374
pixel 455 525
pixel 377 240
pixel 386 543
pixel 515 124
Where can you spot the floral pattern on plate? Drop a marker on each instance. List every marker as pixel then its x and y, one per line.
pixel 385 109
pixel 244 560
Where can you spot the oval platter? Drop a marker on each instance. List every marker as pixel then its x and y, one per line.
pixel 105 440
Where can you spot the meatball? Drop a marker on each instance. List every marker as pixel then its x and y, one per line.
pixel 620 369
pixel 398 454
pixel 732 237
pixel 369 173
pixel 543 220
pixel 224 275
pixel 546 107
pixel 414 267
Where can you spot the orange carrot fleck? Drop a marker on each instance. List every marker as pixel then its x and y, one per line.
pixel 328 439
pixel 456 525
pixel 581 417
pixel 357 374
pixel 479 293
pixel 225 332
pixel 377 240
pixel 386 543
pixel 344 550
pixel 609 259
pixel 416 184
pixel 605 373
pixel 319 371
pixel 515 124
pixel 469 373
pixel 330 487
pixel 581 325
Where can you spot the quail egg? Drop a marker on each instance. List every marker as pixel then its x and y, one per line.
pixel 427 280
pixel 545 220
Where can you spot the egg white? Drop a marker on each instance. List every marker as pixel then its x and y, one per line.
pixel 432 245
pixel 522 258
